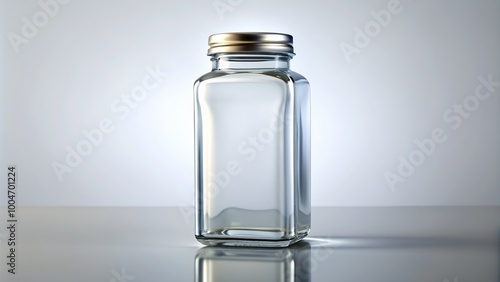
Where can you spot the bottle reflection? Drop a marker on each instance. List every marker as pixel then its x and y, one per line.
pixel 227 264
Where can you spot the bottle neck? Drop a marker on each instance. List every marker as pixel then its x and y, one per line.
pixel 250 61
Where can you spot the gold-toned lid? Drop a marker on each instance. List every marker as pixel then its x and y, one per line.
pixel 250 42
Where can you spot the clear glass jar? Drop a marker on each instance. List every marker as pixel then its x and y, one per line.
pixel 252 144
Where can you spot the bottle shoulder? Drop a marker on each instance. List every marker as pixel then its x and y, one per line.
pixel 286 76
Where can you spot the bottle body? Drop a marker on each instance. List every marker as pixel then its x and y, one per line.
pixel 252 153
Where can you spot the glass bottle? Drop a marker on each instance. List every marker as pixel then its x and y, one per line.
pixel 252 144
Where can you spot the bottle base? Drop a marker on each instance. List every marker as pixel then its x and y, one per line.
pixel 247 242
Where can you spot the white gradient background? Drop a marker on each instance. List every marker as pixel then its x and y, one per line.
pixel 365 113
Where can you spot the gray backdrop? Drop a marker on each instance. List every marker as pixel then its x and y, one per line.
pixel 96 97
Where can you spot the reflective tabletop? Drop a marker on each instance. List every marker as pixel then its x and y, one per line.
pixel 345 244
